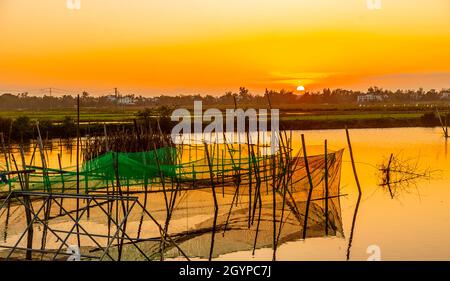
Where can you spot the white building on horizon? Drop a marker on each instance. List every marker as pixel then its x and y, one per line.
pixel 126 100
pixel 445 94
pixel 369 98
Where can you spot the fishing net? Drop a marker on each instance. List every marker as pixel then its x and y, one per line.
pixel 186 164
pixel 252 215
pixel 212 200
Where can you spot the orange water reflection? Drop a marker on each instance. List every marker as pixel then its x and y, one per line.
pixel 413 226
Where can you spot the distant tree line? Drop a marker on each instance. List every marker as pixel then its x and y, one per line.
pixel 243 97
pixel 23 128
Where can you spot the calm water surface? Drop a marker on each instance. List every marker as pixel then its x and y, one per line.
pixel 415 225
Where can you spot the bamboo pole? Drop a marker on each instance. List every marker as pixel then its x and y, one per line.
pixel 173 196
pixel 326 188
pixel 62 182
pixel 161 176
pixel 27 211
pixel 311 186
pixel 249 166
pixel 258 183
pixel 78 170
pixel 444 127
pixel 388 175
pixel 32 161
pixel 259 220
pixel 216 205
pixel 27 203
pixel 145 197
pixel 47 185
pixel 5 153
pixel 284 184
pixel 359 194
pixel 124 210
pixel 274 222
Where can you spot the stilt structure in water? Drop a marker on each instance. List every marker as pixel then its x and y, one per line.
pixel 137 196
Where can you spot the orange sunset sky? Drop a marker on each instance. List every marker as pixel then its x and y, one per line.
pixel 154 47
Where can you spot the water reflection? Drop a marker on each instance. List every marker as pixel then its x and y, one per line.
pixel 266 201
pixel 399 175
pixel 411 228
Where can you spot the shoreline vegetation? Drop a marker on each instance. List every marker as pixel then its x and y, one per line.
pixel 19 126
pixel 327 109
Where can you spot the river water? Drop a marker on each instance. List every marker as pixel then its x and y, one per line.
pixel 414 225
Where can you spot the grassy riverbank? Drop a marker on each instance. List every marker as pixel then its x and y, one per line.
pixel 20 125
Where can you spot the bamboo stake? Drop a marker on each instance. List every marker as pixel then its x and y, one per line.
pixel 47 185
pixel 258 183
pixel 284 191
pixel 444 127
pixel 62 182
pixel 250 181
pixel 359 194
pixel 78 170
pixel 124 210
pixel 5 153
pixel 173 196
pixel 33 154
pixel 145 198
pixel 388 175
pixel 311 186
pixel 326 188
pixel 216 206
pixel 259 220
pixel 274 223
pixel 28 206
pixel 161 176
